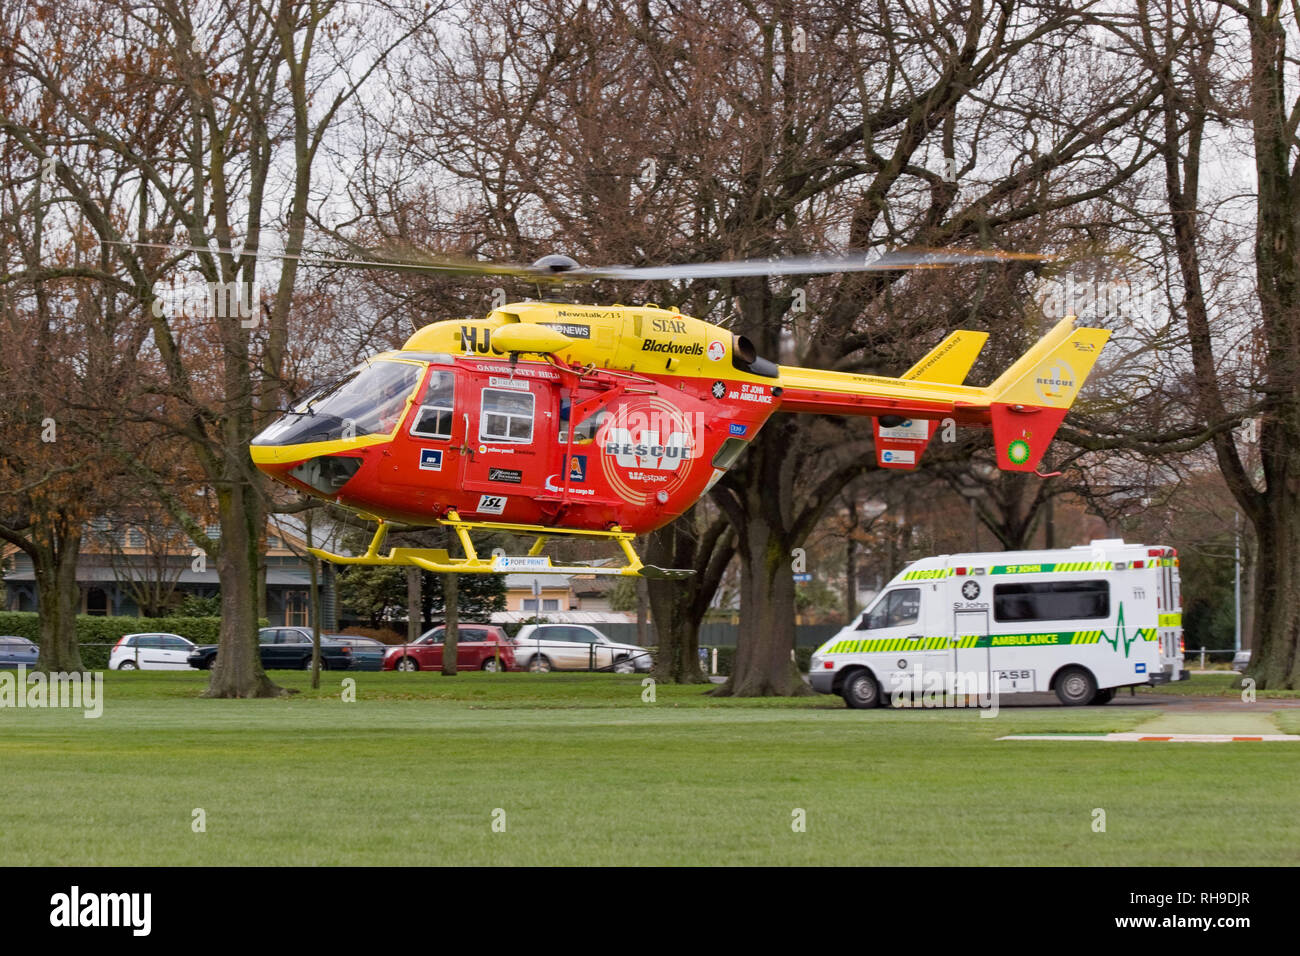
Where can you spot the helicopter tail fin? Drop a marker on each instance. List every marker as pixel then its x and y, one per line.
pixel 950 361
pixel 1030 399
pixel 900 444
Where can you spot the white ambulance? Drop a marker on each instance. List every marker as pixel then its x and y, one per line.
pixel 1079 621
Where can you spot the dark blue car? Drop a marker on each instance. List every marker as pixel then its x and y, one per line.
pixel 367 653
pixel 17 650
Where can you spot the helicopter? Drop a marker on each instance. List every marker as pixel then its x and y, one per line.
pixel 548 419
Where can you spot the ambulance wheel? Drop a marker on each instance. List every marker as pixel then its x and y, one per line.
pixel 1104 696
pixel 861 690
pixel 1075 687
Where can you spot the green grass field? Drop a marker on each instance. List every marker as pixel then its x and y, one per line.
pixel 586 772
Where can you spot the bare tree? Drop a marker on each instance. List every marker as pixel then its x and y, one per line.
pixel 216 105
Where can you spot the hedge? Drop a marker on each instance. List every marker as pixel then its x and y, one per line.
pixel 97 629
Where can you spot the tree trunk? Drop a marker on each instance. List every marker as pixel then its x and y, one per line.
pixel 677 629
pixel 451 633
pixel 678 607
pixel 763 666
pixel 851 563
pixel 1274 661
pixel 59 598
pixel 237 671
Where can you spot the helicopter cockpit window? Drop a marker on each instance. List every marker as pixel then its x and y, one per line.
pixel 367 401
pixel 436 414
pixel 507 416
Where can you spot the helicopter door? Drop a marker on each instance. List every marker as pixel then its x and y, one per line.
pixel 427 449
pixel 511 425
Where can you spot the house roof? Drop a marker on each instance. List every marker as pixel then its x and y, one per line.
pixel 94 574
pixel 564 617
pixel 597 584
pixel 524 582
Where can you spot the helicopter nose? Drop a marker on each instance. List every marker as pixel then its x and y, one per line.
pixel 323 474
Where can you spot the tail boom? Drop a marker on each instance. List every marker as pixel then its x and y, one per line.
pixel 1024 406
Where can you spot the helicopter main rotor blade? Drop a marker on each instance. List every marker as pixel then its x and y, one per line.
pixel 564 269
pixel 804 265
pixel 447 266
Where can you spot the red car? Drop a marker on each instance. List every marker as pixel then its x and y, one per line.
pixel 477 648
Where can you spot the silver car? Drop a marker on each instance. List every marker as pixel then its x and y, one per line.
pixel 1240 661
pixel 576 647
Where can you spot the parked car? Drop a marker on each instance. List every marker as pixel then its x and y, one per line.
pixel 17 650
pixel 285 648
pixel 576 647
pixel 367 652
pixel 151 652
pixel 1240 661
pixel 478 647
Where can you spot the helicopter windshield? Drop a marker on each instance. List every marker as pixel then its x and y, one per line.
pixel 369 400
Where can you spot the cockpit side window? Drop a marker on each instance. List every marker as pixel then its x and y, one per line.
pixel 437 411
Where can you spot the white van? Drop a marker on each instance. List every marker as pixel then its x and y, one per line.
pixel 1078 621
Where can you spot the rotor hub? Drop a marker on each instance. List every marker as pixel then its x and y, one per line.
pixel 555 264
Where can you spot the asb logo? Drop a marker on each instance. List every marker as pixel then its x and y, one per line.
pixel 431 459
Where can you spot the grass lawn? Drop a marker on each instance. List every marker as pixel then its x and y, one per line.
pixel 1225 684
pixel 587 772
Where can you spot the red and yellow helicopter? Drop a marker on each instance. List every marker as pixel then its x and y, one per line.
pixel 549 419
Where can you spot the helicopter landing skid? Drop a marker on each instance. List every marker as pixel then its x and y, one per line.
pixel 440 561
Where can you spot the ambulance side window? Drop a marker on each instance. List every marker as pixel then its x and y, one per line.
pixel 1052 601
pixel 895 609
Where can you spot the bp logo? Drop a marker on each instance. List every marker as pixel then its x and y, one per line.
pixel 1018 451
pixel 970 590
